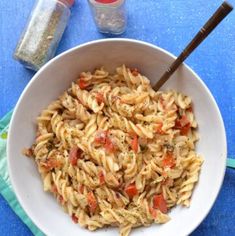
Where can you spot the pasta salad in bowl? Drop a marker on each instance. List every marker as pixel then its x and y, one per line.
pixel 110 150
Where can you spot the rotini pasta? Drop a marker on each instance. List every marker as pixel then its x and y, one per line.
pixel 114 152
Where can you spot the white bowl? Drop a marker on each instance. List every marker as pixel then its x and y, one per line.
pixel 56 76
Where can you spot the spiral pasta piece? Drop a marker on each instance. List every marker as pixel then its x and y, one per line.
pixel 87 99
pixel 187 186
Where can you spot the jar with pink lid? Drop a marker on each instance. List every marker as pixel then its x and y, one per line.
pixel 109 15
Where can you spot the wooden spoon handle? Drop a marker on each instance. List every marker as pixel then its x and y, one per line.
pixel 224 9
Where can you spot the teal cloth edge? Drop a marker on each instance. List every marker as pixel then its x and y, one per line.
pixel 4 122
pixel 230 162
pixel 6 190
pixel 9 196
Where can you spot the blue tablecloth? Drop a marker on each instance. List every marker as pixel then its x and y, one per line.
pixel 168 24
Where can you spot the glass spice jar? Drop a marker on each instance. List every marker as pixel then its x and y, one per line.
pixel 43 33
pixel 109 15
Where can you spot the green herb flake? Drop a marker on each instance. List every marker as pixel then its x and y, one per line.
pixel 4 135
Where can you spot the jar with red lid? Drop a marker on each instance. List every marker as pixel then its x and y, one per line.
pixel 109 15
pixel 43 32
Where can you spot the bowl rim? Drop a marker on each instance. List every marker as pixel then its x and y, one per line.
pixel 100 41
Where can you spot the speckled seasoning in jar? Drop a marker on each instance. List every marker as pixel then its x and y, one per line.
pixel 43 33
pixel 109 15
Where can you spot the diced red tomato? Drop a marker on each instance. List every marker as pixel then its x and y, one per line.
pixel 168 160
pixel 51 164
pixel 190 109
pixel 74 218
pixel 74 155
pixel 183 125
pixel 81 189
pixel 160 203
pixel 153 212
pixel 177 124
pixel 92 203
pixel 135 144
pixel 132 133
pixel 184 121
pixel 109 146
pixel 184 130
pixel 101 137
pixel 131 190
pixel 82 84
pixel 159 128
pixel 134 71
pixel 101 177
pixel 100 98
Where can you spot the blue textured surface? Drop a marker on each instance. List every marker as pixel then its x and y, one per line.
pixel 168 24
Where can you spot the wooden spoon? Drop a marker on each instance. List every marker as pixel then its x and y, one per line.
pixel 224 9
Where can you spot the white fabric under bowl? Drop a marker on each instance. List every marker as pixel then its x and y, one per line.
pixel 56 77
